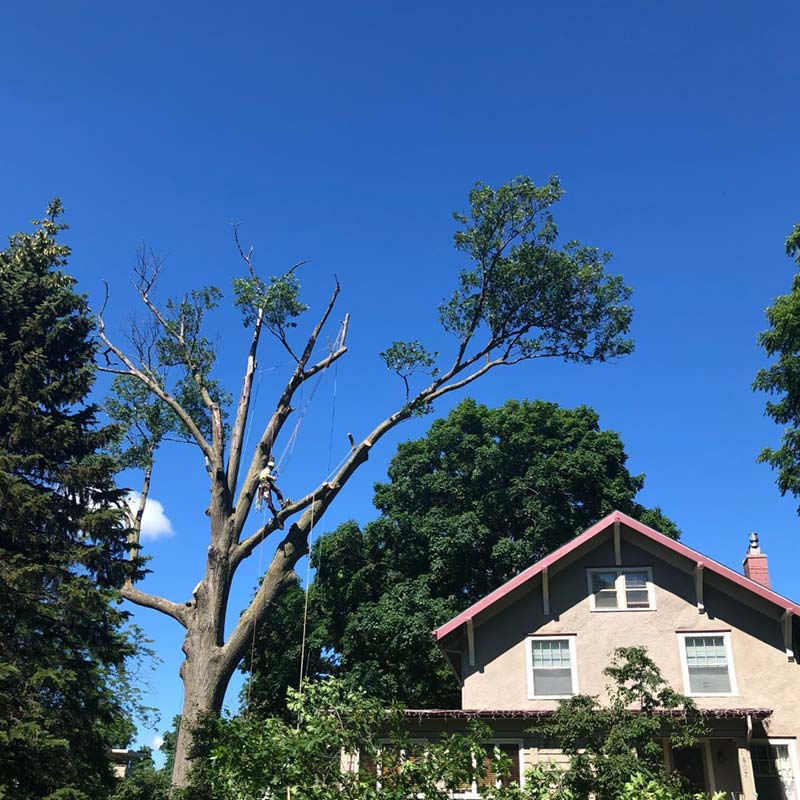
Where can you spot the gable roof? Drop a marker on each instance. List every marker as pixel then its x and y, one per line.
pixel 599 527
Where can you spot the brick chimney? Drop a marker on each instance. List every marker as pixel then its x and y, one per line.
pixel 755 563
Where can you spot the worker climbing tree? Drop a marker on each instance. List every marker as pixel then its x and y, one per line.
pixel 267 486
pixel 521 296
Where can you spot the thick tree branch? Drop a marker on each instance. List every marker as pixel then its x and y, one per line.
pixel 278 576
pixel 175 610
pixel 282 411
pixel 243 407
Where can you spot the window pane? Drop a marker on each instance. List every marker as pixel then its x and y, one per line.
pixel 636 594
pixel 705 680
pixel 635 580
pixel 706 651
pixel 551 654
pixel 552 682
pixel 603 580
pixel 637 598
pixel 605 599
pixel 604 588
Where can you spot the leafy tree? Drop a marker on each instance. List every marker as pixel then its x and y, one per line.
pixel 608 744
pixel 782 378
pixel 63 642
pixel 485 493
pixel 333 726
pixel 520 296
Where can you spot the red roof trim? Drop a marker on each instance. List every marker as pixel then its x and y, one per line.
pixel 587 535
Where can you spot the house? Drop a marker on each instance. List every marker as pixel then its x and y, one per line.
pixel 121 759
pixel 723 638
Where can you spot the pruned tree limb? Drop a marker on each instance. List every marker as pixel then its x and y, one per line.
pixel 175 610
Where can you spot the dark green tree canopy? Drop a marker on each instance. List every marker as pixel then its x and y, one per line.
pixel 483 495
pixel 781 342
pixel 62 536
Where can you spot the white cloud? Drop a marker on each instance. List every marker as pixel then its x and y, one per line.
pixel 157 742
pixel 155 523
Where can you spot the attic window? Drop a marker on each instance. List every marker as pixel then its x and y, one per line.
pixel 621 589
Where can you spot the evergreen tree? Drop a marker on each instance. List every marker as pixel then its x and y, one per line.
pixel 63 642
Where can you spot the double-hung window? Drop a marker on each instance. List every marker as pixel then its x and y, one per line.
pixel 552 668
pixel 707 662
pixel 618 589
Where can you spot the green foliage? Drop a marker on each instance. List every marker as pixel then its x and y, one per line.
pixel 65 692
pixel 607 744
pixel 408 358
pixel 545 781
pixel 484 494
pixel 248 757
pixel 781 342
pixel 534 298
pixel 641 788
pixel 143 421
pixel 278 301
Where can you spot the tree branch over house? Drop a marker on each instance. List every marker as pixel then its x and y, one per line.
pixel 520 297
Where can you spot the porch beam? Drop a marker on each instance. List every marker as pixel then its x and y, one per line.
pixel 617 544
pixel 698 587
pixel 471 642
pixel 746 770
pixel 546 591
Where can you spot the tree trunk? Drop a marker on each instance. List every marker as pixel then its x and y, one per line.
pixel 204 685
pixel 207 668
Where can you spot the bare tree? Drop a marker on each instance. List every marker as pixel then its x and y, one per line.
pixel 522 297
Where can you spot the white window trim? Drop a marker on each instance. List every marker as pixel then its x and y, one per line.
pixel 573 662
pixel 791 745
pixel 620 587
pixel 473 793
pixel 726 639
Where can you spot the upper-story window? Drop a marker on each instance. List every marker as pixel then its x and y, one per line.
pixel 552 667
pixel 707 663
pixel 621 589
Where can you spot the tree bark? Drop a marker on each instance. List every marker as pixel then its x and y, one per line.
pixel 204 685
pixel 210 661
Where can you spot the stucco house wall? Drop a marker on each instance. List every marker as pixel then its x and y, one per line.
pixel 765 677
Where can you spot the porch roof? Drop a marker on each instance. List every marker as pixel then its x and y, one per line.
pixel 546 713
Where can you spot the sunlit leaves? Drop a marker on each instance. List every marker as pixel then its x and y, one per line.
pixel 409 358
pixel 278 300
pixel 781 378
pixel 532 297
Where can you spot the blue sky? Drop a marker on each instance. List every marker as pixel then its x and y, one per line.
pixel 346 133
